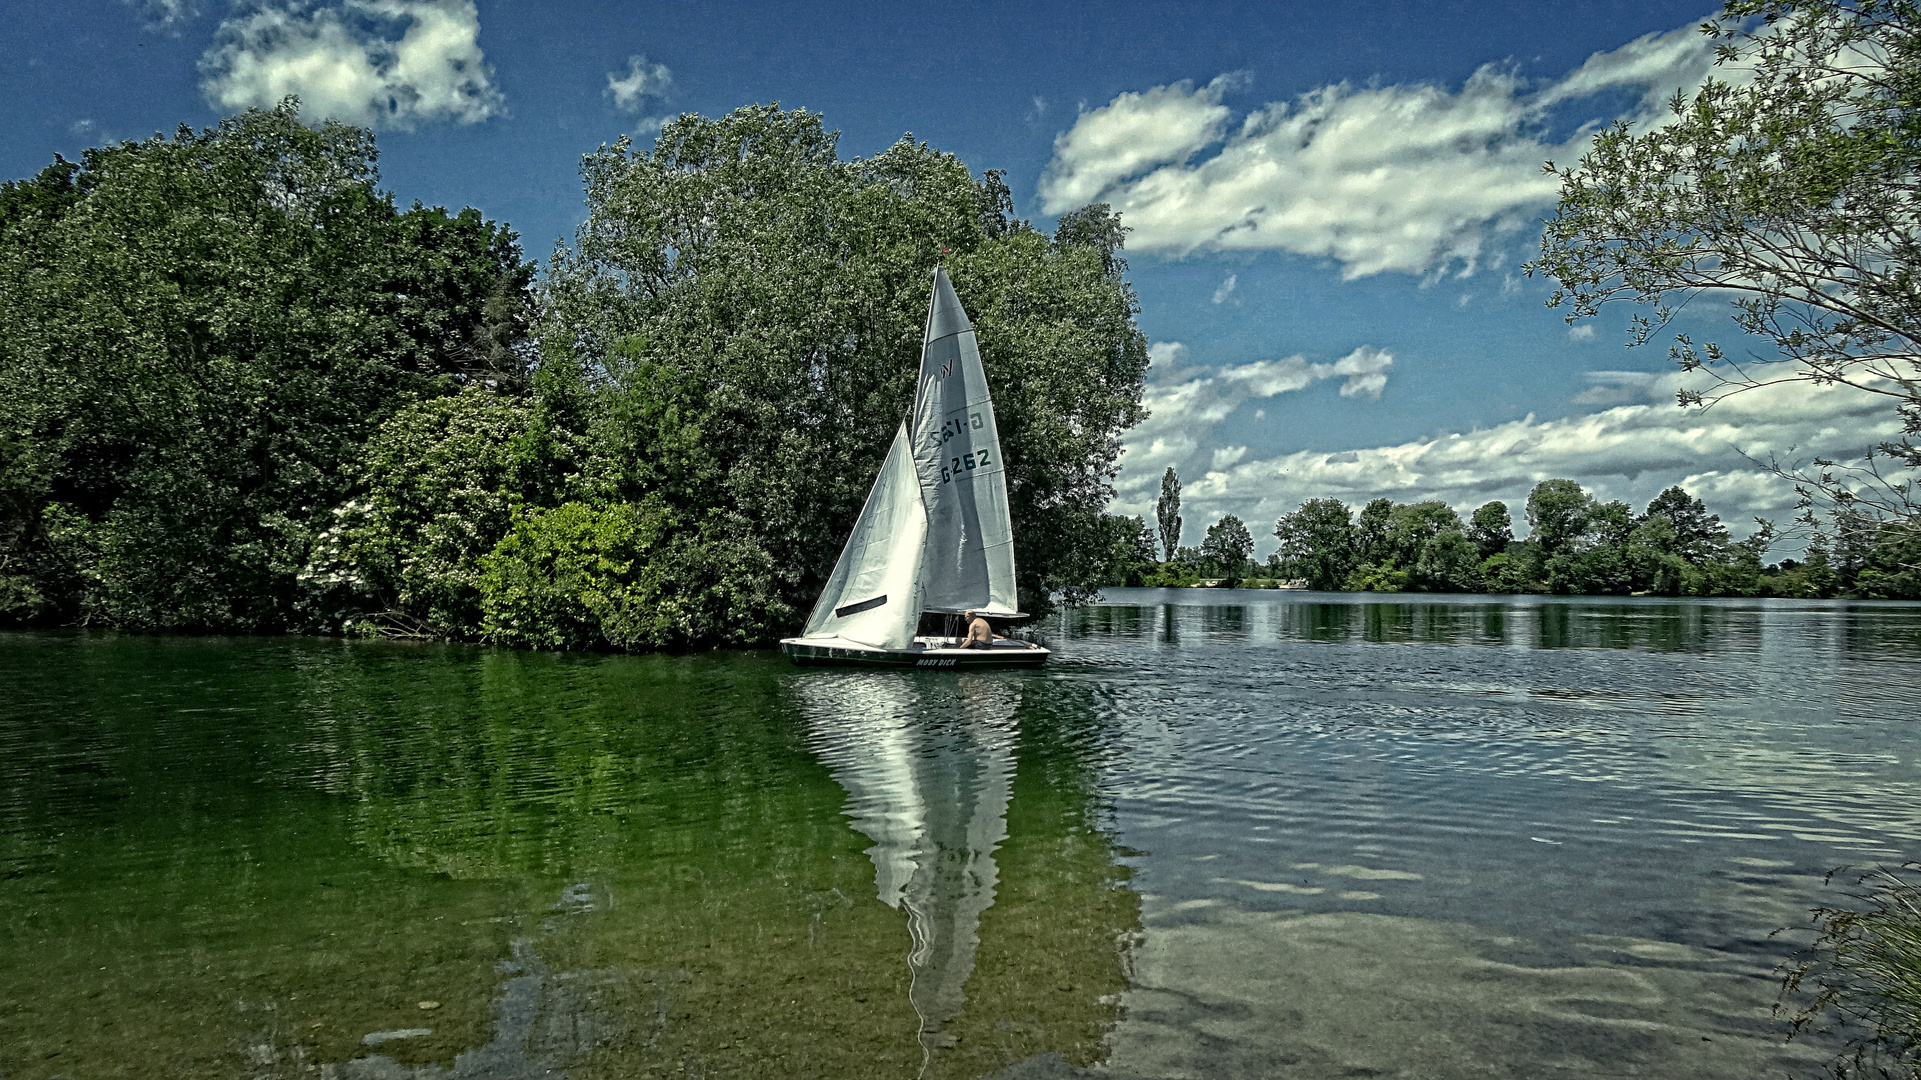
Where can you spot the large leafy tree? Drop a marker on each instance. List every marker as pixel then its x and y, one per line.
pixel 1491 528
pixel 1228 546
pixel 1318 542
pixel 196 334
pixel 748 308
pixel 1791 186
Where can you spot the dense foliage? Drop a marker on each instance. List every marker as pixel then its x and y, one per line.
pixel 197 336
pixel 1576 545
pixel 747 309
pixel 239 389
pixel 1790 186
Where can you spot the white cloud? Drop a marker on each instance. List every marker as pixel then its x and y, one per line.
pixel 80 127
pixel 1629 452
pixel 1619 388
pixel 1186 402
pixel 1226 289
pixel 164 14
pixel 1163 126
pixel 1228 455
pixel 643 82
pixel 1366 371
pixel 1584 332
pixel 1412 178
pixel 392 64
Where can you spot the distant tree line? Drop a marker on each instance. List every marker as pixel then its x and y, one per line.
pixel 241 390
pixel 1576 545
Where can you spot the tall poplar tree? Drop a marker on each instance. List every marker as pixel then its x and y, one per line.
pixel 1167 513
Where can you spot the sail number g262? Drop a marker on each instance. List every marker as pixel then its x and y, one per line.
pixel 961 465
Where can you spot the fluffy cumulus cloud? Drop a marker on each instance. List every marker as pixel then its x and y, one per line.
pixel 1132 135
pixel 643 82
pixel 1412 178
pixel 1631 450
pixel 392 64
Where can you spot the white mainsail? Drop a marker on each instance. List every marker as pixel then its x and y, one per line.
pixel 874 594
pixel 969 561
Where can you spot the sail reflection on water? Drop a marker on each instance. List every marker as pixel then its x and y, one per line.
pixel 929 769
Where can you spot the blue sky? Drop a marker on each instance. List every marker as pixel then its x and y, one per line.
pixel 1330 202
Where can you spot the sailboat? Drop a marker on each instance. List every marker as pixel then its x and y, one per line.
pixel 935 537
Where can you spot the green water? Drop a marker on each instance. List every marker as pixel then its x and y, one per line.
pixel 1221 835
pixel 240 857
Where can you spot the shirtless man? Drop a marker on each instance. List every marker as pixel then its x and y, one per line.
pixel 980 635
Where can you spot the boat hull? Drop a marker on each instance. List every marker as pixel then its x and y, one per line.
pixel 1003 654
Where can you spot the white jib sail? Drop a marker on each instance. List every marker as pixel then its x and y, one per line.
pixel 873 597
pixel 957 454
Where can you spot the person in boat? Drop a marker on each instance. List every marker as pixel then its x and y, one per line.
pixel 980 635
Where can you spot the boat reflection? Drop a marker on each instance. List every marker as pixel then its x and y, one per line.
pixel 928 766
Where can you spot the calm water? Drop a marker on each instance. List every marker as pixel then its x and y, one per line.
pixel 1223 834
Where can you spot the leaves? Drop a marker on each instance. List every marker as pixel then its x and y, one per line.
pixel 1789 186
pixel 749 307
pixel 197 334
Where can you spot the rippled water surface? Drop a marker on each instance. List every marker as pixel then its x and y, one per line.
pixel 1222 834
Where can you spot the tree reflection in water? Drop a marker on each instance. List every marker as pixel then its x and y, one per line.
pixel 591 866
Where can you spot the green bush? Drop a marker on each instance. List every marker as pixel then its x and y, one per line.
pixel 577 577
pixel 624 576
pixel 1374 577
pixel 1861 978
pixel 438 486
pixel 1171 575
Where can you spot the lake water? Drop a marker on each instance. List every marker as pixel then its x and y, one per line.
pixel 1222 834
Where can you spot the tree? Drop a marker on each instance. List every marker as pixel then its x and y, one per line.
pixel 1228 547
pixel 749 306
pixel 1411 526
pixel 1491 529
pixel 199 334
pixel 1317 543
pixel 1557 513
pixel 1697 534
pixel 1167 512
pixel 1371 527
pixel 1592 560
pixel 1448 562
pixel 1794 190
pixel 1126 553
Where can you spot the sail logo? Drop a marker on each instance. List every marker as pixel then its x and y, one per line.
pixel 957 426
